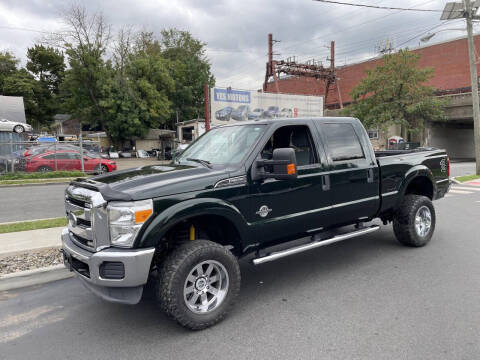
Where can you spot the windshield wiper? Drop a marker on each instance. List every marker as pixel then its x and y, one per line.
pixel 203 162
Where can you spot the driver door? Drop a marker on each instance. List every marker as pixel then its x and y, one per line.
pixel 289 208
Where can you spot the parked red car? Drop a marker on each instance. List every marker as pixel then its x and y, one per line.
pixel 69 160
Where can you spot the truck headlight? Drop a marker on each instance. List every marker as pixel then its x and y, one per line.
pixel 125 220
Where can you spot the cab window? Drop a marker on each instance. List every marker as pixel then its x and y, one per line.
pixel 297 137
pixel 342 142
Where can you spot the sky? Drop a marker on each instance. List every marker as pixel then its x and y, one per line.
pixel 235 31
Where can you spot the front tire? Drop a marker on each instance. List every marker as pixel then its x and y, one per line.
pixel 414 221
pixel 198 283
pixel 101 169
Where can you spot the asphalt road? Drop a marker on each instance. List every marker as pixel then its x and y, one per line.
pixel 39 202
pixel 31 202
pixel 365 298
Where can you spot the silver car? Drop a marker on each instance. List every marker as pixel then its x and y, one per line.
pixel 18 127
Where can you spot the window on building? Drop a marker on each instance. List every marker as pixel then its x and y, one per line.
pixel 342 142
pixel 373 134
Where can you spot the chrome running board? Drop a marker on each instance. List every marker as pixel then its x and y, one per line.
pixel 312 245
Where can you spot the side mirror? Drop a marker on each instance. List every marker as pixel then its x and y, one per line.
pixel 283 166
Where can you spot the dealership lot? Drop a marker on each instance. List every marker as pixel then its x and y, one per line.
pixel 361 299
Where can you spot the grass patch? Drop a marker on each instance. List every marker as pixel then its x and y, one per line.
pixel 40 175
pixel 467 178
pixel 37 181
pixel 32 225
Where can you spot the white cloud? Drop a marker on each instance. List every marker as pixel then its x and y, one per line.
pixel 236 31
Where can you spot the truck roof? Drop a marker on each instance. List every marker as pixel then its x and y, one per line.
pixel 275 120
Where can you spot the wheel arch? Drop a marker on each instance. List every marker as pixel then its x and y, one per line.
pixel 418 181
pixel 210 215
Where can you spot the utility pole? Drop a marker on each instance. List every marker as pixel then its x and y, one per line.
pixel 474 80
pixel 271 65
pixel 206 96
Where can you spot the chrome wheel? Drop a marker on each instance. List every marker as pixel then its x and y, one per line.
pixel 423 221
pixel 206 286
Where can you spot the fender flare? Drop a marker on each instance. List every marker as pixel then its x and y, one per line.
pixel 412 174
pixel 184 210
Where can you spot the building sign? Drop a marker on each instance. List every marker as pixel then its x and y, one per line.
pixel 233 96
pixel 232 105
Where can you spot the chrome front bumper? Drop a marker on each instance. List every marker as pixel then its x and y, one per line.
pixel 128 289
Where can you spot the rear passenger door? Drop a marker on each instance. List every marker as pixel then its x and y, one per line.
pixel 353 174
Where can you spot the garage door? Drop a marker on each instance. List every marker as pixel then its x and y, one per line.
pixel 457 139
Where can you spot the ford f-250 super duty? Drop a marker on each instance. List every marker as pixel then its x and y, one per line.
pixel 240 190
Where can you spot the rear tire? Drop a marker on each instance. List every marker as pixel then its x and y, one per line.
pixel 198 283
pixel 44 169
pixel 18 129
pixel 414 221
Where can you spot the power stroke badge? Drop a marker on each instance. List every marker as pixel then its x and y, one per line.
pixel 264 211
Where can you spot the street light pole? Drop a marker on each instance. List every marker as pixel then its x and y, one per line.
pixel 474 81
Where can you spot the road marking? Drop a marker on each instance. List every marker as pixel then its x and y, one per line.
pixel 460 192
pixel 465 188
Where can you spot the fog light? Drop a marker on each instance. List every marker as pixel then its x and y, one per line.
pixel 112 270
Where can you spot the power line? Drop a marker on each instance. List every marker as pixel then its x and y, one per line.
pixel 379 7
pixel 27 29
pixel 416 36
pixel 350 27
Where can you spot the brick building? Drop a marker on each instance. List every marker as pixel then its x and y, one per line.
pixel 449 59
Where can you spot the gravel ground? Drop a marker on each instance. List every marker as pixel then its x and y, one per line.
pixel 30 260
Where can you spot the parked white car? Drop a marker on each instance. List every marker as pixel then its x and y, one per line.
pixel 18 127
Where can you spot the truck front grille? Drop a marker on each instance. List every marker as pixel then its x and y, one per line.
pixel 87 220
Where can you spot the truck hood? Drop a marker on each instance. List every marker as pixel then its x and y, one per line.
pixel 152 181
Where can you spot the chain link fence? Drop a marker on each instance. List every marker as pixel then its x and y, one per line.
pixel 20 155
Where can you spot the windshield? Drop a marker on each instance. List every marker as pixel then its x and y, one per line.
pixel 272 108
pixel 224 145
pixel 258 110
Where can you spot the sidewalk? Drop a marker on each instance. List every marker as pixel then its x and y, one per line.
pixel 24 241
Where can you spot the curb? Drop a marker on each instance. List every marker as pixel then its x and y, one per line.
pixel 22 279
pixel 35 184
pixel 455 181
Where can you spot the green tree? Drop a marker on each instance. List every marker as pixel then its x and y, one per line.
pixel 394 92
pixel 139 89
pixel 19 82
pixel 8 67
pixel 190 68
pixel 48 66
pixel 85 42
pixel 22 83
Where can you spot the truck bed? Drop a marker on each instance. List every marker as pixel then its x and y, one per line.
pixel 384 153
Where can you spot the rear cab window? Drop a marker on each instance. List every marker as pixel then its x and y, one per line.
pixel 342 142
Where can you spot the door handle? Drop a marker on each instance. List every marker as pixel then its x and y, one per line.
pixel 325 182
pixel 370 175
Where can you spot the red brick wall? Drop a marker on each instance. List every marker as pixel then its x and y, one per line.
pixel 449 61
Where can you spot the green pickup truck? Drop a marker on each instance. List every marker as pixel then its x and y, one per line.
pixel 258 190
